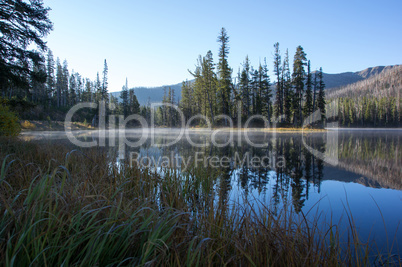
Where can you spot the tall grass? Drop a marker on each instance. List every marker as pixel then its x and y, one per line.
pixel 73 207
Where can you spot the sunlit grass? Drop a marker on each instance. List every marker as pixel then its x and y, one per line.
pixel 70 207
pixel 268 129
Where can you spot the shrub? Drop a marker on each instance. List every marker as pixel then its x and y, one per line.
pixel 9 125
pixel 27 125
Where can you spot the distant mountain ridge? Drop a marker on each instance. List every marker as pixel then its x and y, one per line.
pixel 155 94
pixel 152 94
pixel 346 78
pixel 380 82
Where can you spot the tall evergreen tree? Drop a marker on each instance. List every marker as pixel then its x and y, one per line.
pixel 264 90
pixel 37 83
pixel 50 80
pixel 200 95
pixel 244 86
pixel 279 91
pixel 73 90
pixel 64 89
pixel 205 90
pixel 104 90
pixel 224 73
pixel 98 89
pixel 298 82
pixel 59 82
pixel 209 78
pixel 87 94
pixel 124 99
pixel 79 88
pixel 199 92
pixel 321 97
pixel 315 92
pixel 308 100
pixel 255 96
pixel 287 89
pixel 134 106
pixel 187 99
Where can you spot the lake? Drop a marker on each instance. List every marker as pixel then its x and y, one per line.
pixel 344 176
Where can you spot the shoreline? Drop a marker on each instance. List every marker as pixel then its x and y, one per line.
pixel 51 126
pixel 46 126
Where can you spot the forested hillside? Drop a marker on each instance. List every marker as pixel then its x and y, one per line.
pixel 345 78
pixel 371 102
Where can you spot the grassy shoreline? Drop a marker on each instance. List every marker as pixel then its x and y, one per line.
pixel 33 125
pixel 280 129
pixel 78 207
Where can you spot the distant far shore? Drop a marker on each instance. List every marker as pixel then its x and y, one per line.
pixel 365 129
pixel 34 125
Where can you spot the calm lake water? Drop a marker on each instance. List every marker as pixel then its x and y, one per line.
pixel 333 175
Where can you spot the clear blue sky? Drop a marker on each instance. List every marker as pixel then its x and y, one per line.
pixel 153 43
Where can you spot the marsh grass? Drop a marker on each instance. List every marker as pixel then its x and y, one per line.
pixel 63 206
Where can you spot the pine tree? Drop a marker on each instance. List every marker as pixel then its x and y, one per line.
pixel 209 78
pixel 298 82
pixel 224 73
pixel 278 111
pixel 134 106
pixel 23 26
pixel 37 83
pixel 308 100
pixel 98 89
pixel 200 94
pixel 205 91
pixel 287 89
pixel 187 102
pixel 50 81
pixel 169 109
pixel 315 92
pixel 73 90
pixel 124 99
pixel 321 96
pixel 64 89
pixel 59 82
pixel 264 90
pixel 244 86
pixel 104 89
pixel 255 92
pixel 88 95
pixel 79 86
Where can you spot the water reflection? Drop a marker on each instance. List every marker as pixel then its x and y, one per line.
pixel 369 158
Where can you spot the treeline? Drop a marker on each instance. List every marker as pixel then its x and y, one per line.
pixel 59 87
pixel 30 79
pixel 369 111
pixel 50 89
pixel 214 94
pixel 374 102
pixel 35 85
